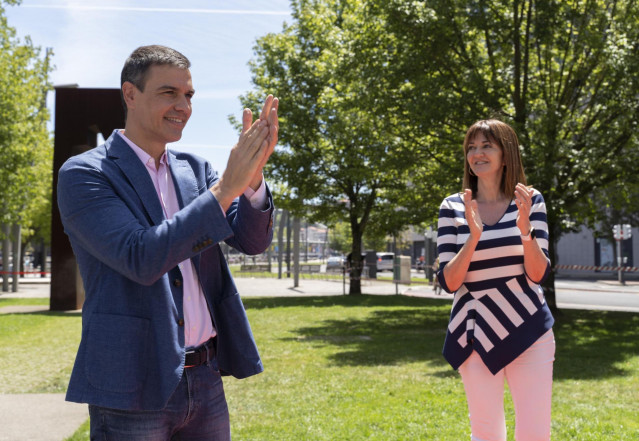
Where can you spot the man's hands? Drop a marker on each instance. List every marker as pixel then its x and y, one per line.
pixel 269 114
pixel 250 154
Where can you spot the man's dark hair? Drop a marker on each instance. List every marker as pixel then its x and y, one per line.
pixel 137 66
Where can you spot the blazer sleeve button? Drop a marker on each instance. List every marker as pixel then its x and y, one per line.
pixel 181 322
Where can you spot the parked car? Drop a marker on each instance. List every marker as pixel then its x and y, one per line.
pixel 385 261
pixel 334 263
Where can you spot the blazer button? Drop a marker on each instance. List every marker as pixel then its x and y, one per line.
pixel 181 322
pixel 177 282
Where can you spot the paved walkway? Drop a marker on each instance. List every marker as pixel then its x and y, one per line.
pixel 39 417
pixel 47 417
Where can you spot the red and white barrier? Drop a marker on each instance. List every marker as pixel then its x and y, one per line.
pixel 628 269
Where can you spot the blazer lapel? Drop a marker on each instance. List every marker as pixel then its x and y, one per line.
pixel 186 187
pixel 126 159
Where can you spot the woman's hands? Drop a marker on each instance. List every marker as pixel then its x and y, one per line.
pixel 523 200
pixel 456 269
pixel 472 214
pixel 535 261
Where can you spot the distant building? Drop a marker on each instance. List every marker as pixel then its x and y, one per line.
pixel 581 248
pixel 584 249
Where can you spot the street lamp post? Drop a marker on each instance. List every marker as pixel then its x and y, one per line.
pixel 621 233
pixel 428 236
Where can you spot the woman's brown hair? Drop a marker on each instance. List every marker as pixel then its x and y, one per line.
pixel 502 134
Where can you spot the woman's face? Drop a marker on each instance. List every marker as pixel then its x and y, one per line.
pixel 484 157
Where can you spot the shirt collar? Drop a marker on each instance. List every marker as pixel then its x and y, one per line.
pixel 144 156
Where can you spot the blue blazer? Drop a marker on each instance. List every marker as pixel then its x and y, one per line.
pixel 131 354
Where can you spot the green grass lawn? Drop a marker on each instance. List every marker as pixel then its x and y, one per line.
pixel 368 368
pixel 37 349
pixel 26 301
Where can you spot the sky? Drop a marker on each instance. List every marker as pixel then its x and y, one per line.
pixel 91 39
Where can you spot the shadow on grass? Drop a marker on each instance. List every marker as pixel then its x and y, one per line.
pixel 384 337
pixel 398 329
pixel 594 344
pixel 364 300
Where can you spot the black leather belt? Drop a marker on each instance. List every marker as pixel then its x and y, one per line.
pixel 200 355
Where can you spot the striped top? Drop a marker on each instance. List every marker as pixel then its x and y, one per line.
pixel 498 311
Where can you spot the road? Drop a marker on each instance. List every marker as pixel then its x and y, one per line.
pixel 607 295
pixel 571 293
pixel 590 294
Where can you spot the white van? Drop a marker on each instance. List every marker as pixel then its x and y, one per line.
pixel 385 261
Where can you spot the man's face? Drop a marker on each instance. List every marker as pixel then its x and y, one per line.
pixel 160 113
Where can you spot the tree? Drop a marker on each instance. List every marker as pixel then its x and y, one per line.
pixel 340 239
pixel 563 73
pixel 339 160
pixel 377 96
pixel 26 150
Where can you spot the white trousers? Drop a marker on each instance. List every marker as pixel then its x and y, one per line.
pixel 529 378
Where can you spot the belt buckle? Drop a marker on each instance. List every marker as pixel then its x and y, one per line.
pixel 199 350
pixel 186 354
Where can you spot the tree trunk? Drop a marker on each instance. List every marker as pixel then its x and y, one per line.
pixel 22 268
pixel 269 251
pixel 356 263
pixel 6 250
pixel 16 231
pixel 280 242
pixel 288 246
pixel 549 283
pixel 296 251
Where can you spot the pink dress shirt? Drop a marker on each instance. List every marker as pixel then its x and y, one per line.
pixel 198 326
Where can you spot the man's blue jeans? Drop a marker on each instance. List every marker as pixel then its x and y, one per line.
pixel 197 411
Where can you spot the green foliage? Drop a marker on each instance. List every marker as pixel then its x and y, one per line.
pixel 26 148
pixel 340 239
pixel 377 95
pixel 339 160
pixel 563 73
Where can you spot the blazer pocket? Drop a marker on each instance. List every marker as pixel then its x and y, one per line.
pixel 117 352
pixel 233 330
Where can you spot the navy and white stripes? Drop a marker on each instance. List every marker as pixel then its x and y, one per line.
pixel 498 311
